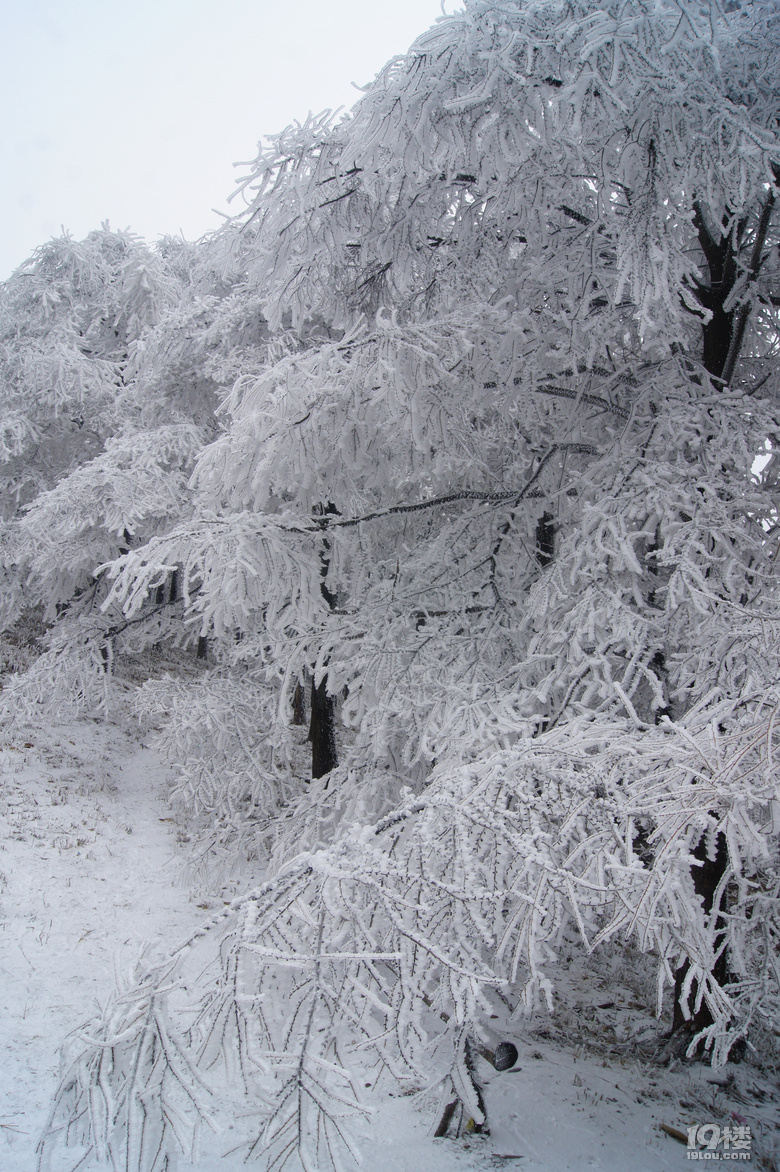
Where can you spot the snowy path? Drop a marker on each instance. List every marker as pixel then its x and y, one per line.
pixel 87 874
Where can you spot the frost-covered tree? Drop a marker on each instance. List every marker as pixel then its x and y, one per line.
pixel 491 489
pixel 72 320
pixel 113 357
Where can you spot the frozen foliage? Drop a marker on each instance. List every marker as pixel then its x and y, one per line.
pixel 97 358
pixel 71 322
pixel 233 759
pixel 388 948
pixel 499 352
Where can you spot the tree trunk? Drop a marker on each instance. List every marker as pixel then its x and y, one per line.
pixel 298 705
pixel 545 539
pixel 322 723
pixel 107 656
pixel 322 730
pixel 706 878
pixel 722 339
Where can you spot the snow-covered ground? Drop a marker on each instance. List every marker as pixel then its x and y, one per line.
pixel 91 871
pixel 88 870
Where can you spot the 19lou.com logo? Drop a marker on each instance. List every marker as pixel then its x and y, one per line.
pixel 708 1141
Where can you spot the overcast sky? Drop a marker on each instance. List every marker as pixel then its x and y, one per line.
pixel 134 111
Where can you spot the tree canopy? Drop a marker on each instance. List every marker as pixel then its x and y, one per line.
pixel 497 354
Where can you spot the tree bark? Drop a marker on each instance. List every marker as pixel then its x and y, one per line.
pixel 322 730
pixel 720 255
pixel 298 705
pixel 322 722
pixel 706 879
pixel 545 539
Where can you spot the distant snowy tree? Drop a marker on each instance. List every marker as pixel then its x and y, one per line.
pixel 488 487
pixel 108 394
pixel 71 321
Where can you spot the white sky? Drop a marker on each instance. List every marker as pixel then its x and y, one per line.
pixel 134 111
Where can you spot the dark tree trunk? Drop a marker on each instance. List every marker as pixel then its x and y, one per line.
pixel 716 344
pixel 171 588
pixel 722 269
pixel 298 705
pixel 706 878
pixel 722 339
pixel 203 647
pixel 322 722
pixel 545 539
pixel 322 730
